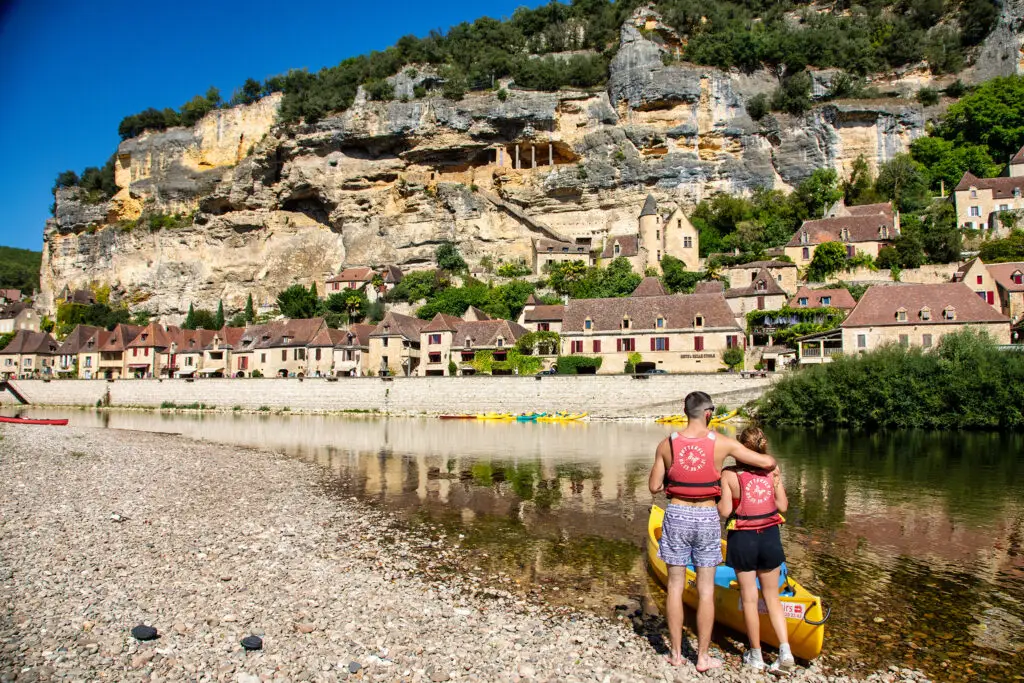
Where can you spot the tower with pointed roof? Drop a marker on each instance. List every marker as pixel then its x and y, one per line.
pixel 652 244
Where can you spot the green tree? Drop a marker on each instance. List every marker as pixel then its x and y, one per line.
pixel 1004 250
pixel 298 302
pixel 733 357
pixel 632 360
pixel 449 258
pixel 942 239
pixel 218 320
pixel 203 319
pixel 903 180
pixel 860 187
pixel 190 318
pixel 356 305
pixel 829 258
pixel 250 311
pixel 887 258
pixel 818 192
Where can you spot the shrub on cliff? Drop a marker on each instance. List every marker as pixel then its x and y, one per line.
pixel 965 383
pixel 1004 250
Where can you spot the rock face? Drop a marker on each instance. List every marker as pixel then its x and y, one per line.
pixel 1002 52
pixel 263 205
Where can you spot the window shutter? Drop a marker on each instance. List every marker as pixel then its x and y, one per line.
pixel 597 346
pixel 652 343
pixel 618 344
pixel 666 343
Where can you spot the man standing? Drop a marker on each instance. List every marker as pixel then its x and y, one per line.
pixel 688 467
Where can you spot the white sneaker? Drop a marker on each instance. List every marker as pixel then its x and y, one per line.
pixel 753 660
pixel 783 664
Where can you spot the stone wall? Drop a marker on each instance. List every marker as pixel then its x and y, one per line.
pixel 618 396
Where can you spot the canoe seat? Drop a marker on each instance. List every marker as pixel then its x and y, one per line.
pixel 725 576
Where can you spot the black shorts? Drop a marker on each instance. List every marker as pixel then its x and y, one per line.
pixel 759 550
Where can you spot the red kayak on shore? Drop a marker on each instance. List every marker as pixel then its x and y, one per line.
pixel 30 421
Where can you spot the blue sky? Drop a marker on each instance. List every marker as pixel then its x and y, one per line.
pixel 71 70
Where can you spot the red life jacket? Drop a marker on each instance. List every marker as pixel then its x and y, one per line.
pixel 693 474
pixel 756 507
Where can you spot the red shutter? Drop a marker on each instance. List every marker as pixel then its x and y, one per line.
pixel 597 346
pixel 618 344
pixel 698 343
pixel 666 343
pixel 991 297
pixel 652 343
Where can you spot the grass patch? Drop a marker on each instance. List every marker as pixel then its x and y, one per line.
pixel 171 405
pixel 264 409
pixel 237 408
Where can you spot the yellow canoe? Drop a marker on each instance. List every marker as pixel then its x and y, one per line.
pixel 804 616
pixel 562 417
pixel 496 416
pixel 681 419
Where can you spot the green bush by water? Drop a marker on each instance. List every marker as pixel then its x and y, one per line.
pixel 965 383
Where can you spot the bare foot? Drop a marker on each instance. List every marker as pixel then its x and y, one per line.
pixel 708 664
pixel 674 660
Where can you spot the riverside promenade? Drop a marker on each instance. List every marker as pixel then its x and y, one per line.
pixel 611 396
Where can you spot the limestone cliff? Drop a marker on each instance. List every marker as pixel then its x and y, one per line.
pixel 263 205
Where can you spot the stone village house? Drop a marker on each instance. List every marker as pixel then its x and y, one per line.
pixel 73 344
pixel 980 201
pixel 910 315
pixel 861 229
pixel 451 339
pixel 394 345
pixel 18 316
pixel 29 355
pixel 351 352
pixel 785 273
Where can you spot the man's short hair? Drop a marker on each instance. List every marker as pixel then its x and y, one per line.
pixel 695 403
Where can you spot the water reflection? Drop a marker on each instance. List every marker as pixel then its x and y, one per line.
pixel 914 538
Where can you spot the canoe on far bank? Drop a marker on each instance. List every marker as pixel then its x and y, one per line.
pixel 30 421
pixel 804 617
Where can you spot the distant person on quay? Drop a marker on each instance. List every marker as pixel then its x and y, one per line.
pixel 688 466
pixel 752 502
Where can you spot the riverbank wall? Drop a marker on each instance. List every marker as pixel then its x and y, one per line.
pixel 601 396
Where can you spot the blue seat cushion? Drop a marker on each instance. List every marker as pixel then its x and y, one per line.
pixel 724 576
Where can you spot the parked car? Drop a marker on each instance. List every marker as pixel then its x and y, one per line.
pixel 656 371
pixel 549 371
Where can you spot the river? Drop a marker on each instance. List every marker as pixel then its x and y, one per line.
pixel 913 538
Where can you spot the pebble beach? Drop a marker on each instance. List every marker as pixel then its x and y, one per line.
pixel 103 530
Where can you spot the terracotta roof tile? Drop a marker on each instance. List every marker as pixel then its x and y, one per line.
pixel 545 246
pixel 75 341
pixel 443 323
pixel 1004 273
pixel 629 245
pixel 649 286
pixel 396 323
pixel 545 313
pixel 763 284
pixel 27 341
pixel 709 287
pixel 881 303
pixel 767 264
pixel 357 274
pixel 360 335
pixel 120 337
pixel 870 209
pixel 678 310
pixel 839 298
pixel 1002 187
pixel 860 229
pixel 485 333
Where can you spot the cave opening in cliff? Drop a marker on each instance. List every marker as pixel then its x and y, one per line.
pixel 311 205
pixel 533 154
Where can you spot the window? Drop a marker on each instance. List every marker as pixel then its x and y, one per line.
pixel 657 234
pixel 617 249
pixel 975 211
pixel 188 360
pixel 1016 193
pixel 1004 207
pixel 687 243
pixel 804 238
pixel 1018 278
pixel 300 354
pixel 883 232
pixel 732 341
pixel 434 356
pixel 981 294
pixel 318 354
pixel 904 340
pixel 588 324
pixel 576 346
pixel 862 341
pixel 806 255
pixel 826 301
pixel 901 315
pixel 926 313
pixel 627 344
pixel 145 351
pixel 597 346
pixel 468 343
pixel 384 342
pixel 135 352
pixel 802 301
pixel 468 355
pixel 760 286
pixel 974 193
pixel 263 358
pixel 659 254
pixel 243 363
pixel 949 313
pixel 660 322
pixel 698 321
pixel 543 327
pixel 659 344
pixel 981 279
pixel 698 343
pixel 503 355
pixel 926 341
pixel 284 354
pixel 434 339
pixel 625 323
pixel 845 234
pixel 501 342
pixel 850 251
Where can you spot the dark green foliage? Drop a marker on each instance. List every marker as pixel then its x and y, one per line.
pixel 903 181
pixel 941 238
pixel 927 96
pixel 733 357
pixel 341 307
pixel 976 17
pixel 6 339
pixel 200 319
pixel 758 106
pixel 99 315
pixel 966 383
pixel 860 187
pixel 676 279
pixel 141 318
pixel 578 365
pixel 887 258
pixel 161 221
pixel 945 163
pixel 790 323
pixel 65 179
pixel 793 96
pixel 250 312
pixel 237 320
pixel 1004 250
pixel 297 302
pixel 829 258
pixel 190 317
pixel 154 120
pixel 250 91
pixel 504 301
pixel 856 291
pixel 449 258
pixel 380 90
pixel 218 319
pixel 818 192
pixel 594 282
pixel 19 269
pixel 418 285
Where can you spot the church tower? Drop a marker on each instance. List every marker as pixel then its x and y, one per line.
pixel 652 237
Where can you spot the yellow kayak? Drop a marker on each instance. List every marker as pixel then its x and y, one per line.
pixel 496 416
pixel 681 419
pixel 804 616
pixel 562 417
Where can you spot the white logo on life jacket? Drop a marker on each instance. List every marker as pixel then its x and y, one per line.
pixel 758 491
pixel 691 458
